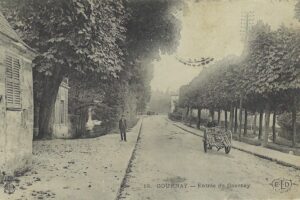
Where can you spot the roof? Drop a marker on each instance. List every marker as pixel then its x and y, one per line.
pixel 7 30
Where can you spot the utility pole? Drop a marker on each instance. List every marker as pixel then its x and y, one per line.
pixel 247 21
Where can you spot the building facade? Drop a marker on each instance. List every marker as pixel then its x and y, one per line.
pixel 16 100
pixel 61 119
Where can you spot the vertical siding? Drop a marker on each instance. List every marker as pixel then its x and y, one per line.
pixel 2 110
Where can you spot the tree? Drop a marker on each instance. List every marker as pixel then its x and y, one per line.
pixel 150 28
pixel 273 66
pixel 265 79
pixel 72 36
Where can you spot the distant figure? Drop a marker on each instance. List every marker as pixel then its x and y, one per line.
pixel 211 124
pixel 123 127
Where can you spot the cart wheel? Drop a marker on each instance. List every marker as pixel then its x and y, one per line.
pixel 227 150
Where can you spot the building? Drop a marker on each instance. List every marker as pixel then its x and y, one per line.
pixel 61 119
pixel 16 100
pixel 174 102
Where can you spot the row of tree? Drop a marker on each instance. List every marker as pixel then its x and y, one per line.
pixel 264 79
pixel 105 49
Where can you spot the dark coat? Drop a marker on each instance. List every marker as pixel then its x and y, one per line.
pixel 211 124
pixel 122 125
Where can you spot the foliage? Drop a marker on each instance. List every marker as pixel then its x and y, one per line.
pixel 213 88
pixel 297 10
pixel 151 28
pixel 268 71
pixel 105 48
pixel 75 35
pixel 285 123
pixel 175 116
pixel 71 36
pixel 273 62
pixel 147 32
pixel 184 98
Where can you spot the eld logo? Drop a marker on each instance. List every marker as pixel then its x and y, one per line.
pixel 281 184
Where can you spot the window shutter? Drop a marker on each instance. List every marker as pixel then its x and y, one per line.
pixel 13 84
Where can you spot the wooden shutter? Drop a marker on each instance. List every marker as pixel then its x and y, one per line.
pixel 12 82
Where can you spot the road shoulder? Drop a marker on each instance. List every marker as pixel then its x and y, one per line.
pixel 265 153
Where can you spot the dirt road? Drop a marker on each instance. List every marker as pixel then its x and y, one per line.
pixel 171 164
pixel 168 164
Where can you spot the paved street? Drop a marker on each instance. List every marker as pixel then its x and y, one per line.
pixel 100 100
pixel 168 164
pixel 171 164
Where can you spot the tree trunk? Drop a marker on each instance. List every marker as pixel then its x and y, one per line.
pixel 261 116
pixel 199 118
pixel 254 123
pixel 212 112
pixel 294 120
pixel 240 118
pixel 219 117
pixel 274 127
pixel 187 111
pixel 83 121
pixel 47 102
pixel 267 125
pixel 235 120
pixel 231 118
pixel 246 122
pixel 36 120
pixel 190 116
pixel 187 114
pixel 226 123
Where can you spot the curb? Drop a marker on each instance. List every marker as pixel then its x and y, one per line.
pixel 129 165
pixel 249 152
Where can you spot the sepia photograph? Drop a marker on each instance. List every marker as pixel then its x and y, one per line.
pixel 149 99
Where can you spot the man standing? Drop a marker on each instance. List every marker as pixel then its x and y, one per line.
pixel 123 127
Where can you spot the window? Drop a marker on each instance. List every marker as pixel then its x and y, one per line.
pixel 62 112
pixel 12 82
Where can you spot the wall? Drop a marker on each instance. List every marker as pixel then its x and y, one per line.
pixel 16 127
pixel 60 129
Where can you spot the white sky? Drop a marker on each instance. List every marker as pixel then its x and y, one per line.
pixel 212 29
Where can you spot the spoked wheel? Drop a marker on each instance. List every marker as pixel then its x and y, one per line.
pixel 227 149
pixel 205 142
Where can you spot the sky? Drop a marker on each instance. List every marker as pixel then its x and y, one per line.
pixel 212 29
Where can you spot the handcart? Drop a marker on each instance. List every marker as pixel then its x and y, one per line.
pixel 217 137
